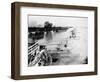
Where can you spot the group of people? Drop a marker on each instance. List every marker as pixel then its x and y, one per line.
pixel 40 58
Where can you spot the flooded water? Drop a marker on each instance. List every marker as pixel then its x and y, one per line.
pixel 76 50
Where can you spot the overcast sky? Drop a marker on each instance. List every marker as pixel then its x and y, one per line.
pixel 57 21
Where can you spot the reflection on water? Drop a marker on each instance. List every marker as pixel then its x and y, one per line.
pixel 54 37
pixel 48 36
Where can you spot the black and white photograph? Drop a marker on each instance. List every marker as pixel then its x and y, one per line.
pixel 57 40
pixel 53 40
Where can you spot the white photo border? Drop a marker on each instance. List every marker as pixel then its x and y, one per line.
pixel 25 70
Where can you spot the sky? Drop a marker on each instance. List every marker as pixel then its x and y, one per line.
pixel 34 20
